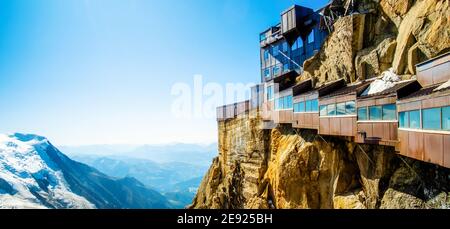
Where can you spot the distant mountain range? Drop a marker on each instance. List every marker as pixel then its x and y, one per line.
pixel 35 174
pixel 174 170
pixel 179 152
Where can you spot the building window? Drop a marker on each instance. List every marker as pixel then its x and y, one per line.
pixel 262 37
pixel 340 109
pixel 311 37
pixel 267 73
pixel 276 70
pixel 285 47
pixel 275 50
pixel 431 119
pixel 350 107
pixel 286 68
pixel 331 109
pixel 314 105
pixel 270 93
pixel 414 119
pixel 289 102
pixel 446 118
pixel 266 55
pixel 323 110
pixel 389 112
pixel 403 119
pixel 283 103
pixel 375 113
pixel 295 107
pixel 299 107
pixel 362 113
pixel 308 106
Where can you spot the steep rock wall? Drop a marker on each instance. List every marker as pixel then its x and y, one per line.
pixel 283 168
pixel 286 168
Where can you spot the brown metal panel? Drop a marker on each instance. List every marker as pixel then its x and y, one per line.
pixel 386 131
pixel 425 77
pixel 428 103
pixel 368 128
pixel 243 107
pixel 378 129
pixel 393 129
pixel 308 119
pixel 302 119
pixel 220 111
pixel 353 121
pixel 433 148
pixel 409 106
pixel 345 98
pixel 446 151
pixel 403 137
pixel 441 73
pixel 324 126
pixel 415 145
pixel 335 126
pixel 440 101
pixel 327 101
pixel 363 128
pixel 383 101
pixel 365 103
pixel 315 120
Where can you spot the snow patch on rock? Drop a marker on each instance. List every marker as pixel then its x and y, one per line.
pixel 387 80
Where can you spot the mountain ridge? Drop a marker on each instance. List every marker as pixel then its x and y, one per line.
pixel 35 174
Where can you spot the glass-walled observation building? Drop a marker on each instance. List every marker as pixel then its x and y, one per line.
pixel 284 47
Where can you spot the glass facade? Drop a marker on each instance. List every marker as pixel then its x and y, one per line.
pixel 431 119
pixel 270 93
pixel 414 119
pixel 311 37
pixel 446 118
pixel 331 109
pixel 375 113
pixel 340 109
pixel 346 108
pixel 403 119
pixel 283 103
pixel 314 105
pixel 285 67
pixel 323 111
pixel 297 44
pixel 390 112
pixel 427 119
pixel 276 70
pixel 266 55
pixel 307 106
pixel 262 37
pixel 362 113
pixel 285 47
pixel 275 50
pixel 267 72
pixel 350 107
pixel 386 112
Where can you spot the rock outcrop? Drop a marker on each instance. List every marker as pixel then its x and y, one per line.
pixel 288 168
pixel 397 34
pixel 283 168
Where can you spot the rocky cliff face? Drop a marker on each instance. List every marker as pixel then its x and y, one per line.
pixel 282 168
pixel 391 33
pixel 288 168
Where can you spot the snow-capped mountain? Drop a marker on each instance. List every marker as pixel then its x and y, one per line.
pixel 35 174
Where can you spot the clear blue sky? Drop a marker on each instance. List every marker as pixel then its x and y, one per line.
pixel 100 72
